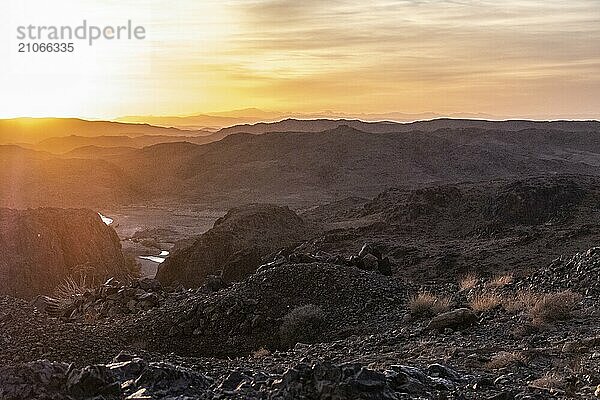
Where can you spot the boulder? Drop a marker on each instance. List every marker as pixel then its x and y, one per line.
pixel 455 319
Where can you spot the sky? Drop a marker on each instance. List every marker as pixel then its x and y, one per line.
pixel 514 58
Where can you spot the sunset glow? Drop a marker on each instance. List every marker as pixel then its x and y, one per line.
pixel 512 59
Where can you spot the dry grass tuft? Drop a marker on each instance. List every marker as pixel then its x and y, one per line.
pixel 554 306
pixel 468 281
pixel 522 300
pixel 505 359
pixel 428 304
pixel 261 353
pixel 485 301
pixel 501 280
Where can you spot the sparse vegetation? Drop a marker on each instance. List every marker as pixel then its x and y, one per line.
pixel 67 292
pixel 468 281
pixel 426 304
pixel 501 280
pixel 261 353
pixel 522 300
pixel 71 288
pixel 554 306
pixel 485 301
pixel 302 324
pixel 505 359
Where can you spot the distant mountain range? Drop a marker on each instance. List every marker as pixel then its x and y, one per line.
pixel 300 166
pixel 59 135
pixel 34 130
pixel 217 120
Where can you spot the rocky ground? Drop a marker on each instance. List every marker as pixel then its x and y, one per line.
pixel 475 291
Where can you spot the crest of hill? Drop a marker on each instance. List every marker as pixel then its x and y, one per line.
pixel 34 130
pixel 318 125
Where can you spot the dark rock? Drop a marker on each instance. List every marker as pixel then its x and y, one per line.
pixel 43 247
pixel 92 381
pixel 455 319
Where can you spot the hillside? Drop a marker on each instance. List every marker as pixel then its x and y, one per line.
pixel 32 179
pixel 292 168
pixel 65 144
pixel 318 125
pixel 34 130
pixel 307 167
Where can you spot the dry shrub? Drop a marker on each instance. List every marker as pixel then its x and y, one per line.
pixel 302 324
pixel 522 300
pixel 549 381
pixel 428 304
pixel 554 306
pixel 485 301
pixel 261 353
pixel 69 290
pixel 72 288
pixel 468 281
pixel 505 359
pixel 502 280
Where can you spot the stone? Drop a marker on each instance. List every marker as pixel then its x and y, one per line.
pixel 370 262
pixel 455 319
pixel 233 380
pixel 92 381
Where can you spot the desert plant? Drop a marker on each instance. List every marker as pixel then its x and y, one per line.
pixel 501 280
pixel 70 289
pixel 261 353
pixel 468 281
pixel 554 306
pixel 428 304
pixel 522 300
pixel 485 301
pixel 302 324
pixel 505 359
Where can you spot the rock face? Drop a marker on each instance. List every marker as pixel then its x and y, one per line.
pixel 43 247
pixel 235 246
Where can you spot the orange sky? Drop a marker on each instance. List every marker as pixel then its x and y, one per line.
pixel 511 58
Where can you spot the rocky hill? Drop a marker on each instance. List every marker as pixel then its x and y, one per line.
pixel 33 179
pixel 295 168
pixel 34 130
pixel 42 247
pixel 235 246
pixel 319 125
pixel 308 168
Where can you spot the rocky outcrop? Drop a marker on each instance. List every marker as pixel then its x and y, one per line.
pixel 251 312
pixel 135 378
pixel 108 300
pixel 42 247
pixel 235 246
pixel 535 202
